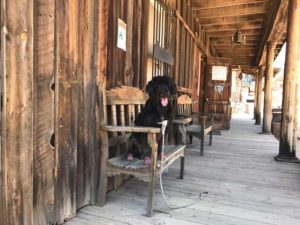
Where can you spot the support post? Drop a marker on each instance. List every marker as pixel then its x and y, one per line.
pixel 289 123
pixel 259 99
pixel 267 120
pixel 255 97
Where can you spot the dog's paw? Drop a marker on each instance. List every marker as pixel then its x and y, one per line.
pixel 147 160
pixel 130 157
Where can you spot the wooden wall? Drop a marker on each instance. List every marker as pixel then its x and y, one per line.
pixel 191 48
pixel 52 54
pixel 128 67
pixel 43 112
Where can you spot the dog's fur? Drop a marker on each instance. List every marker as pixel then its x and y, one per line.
pixel 153 113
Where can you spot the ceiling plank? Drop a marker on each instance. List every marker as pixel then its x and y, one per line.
pixel 248 38
pixel 229 42
pixel 253 32
pixel 230 20
pixel 208 4
pixel 233 27
pixel 252 9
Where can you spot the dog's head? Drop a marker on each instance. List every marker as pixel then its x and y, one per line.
pixel 160 90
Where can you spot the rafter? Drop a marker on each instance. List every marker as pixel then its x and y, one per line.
pixel 252 9
pixel 230 20
pixel 253 32
pixel 208 4
pixel 232 27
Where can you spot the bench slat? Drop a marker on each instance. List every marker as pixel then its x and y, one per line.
pixel 121 161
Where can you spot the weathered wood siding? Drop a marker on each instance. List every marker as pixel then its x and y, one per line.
pixel 128 67
pixel 54 53
pixel 43 112
pixel 17 112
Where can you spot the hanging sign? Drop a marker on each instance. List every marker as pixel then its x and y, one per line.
pixel 121 42
pixel 219 73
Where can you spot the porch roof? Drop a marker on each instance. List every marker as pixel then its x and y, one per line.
pixel 259 20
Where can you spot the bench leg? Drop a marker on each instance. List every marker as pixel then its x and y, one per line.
pixel 210 137
pixel 151 197
pixel 191 139
pixel 152 142
pixel 181 167
pixel 202 145
pixel 202 136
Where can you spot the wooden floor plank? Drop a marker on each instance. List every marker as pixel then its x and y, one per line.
pixel 245 186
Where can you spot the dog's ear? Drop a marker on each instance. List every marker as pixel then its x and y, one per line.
pixel 150 88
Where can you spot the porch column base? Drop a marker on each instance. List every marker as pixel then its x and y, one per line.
pixel 288 159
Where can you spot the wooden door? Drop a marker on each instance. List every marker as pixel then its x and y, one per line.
pixel 218 91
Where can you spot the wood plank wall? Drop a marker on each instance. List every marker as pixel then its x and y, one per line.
pixel 17 112
pixel 128 67
pixel 184 73
pixel 53 55
pixel 43 112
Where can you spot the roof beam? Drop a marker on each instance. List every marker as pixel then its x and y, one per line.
pixel 208 4
pixel 234 27
pixel 252 9
pixel 277 18
pixel 219 38
pixel 229 42
pixel 253 32
pixel 230 20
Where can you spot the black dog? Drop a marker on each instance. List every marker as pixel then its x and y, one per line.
pixel 158 107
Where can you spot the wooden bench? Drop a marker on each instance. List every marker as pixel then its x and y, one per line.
pixel 119 108
pixel 195 124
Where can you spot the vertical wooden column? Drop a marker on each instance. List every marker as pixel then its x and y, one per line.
pixel 100 70
pixel 267 120
pixel 288 135
pixel 16 152
pixel 43 113
pixel 66 99
pixel 255 97
pixel 259 96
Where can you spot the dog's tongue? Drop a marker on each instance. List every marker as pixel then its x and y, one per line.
pixel 164 101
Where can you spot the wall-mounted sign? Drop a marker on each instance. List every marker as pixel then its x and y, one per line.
pixel 121 42
pixel 219 89
pixel 219 73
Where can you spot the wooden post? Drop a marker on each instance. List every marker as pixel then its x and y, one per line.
pixel 16 152
pixel 255 97
pixel 267 120
pixel 128 77
pixel 43 112
pixel 100 68
pixel 288 135
pixel 66 99
pixel 259 95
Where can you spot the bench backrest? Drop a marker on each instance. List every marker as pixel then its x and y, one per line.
pixel 123 104
pixel 184 106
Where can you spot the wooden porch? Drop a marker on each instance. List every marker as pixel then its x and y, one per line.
pixel 244 183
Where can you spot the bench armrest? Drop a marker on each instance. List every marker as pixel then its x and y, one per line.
pixel 183 121
pixel 130 129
